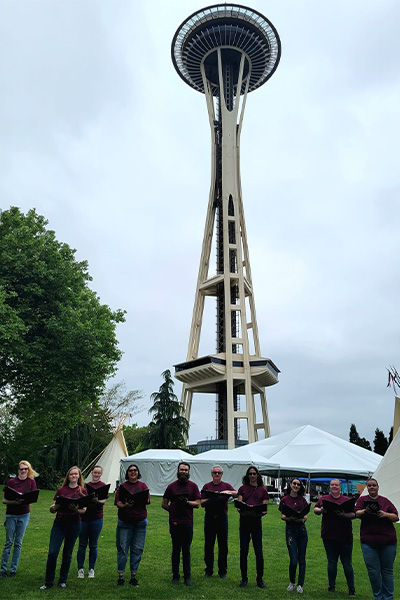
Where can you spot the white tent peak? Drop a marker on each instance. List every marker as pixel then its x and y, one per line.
pixel 387 473
pixel 109 459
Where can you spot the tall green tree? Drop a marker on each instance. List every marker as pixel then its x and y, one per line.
pixel 57 341
pixel 381 442
pixel 169 428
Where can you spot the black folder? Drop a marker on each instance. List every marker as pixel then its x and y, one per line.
pixel 139 499
pixel 82 502
pixel 332 507
pixel 100 493
pixel 254 510
pixel 291 512
pixel 28 498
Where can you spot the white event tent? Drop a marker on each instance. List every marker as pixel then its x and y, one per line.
pixel 311 452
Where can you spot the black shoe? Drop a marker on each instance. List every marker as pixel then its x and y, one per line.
pixel 261 584
pixel 188 581
pixel 175 580
pixel 352 592
pixel 331 588
pixel 120 581
pixel 13 574
pixel 133 581
pixel 222 575
pixel 3 573
pixel 208 574
pixel 243 583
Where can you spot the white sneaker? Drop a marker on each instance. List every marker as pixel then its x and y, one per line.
pixel 62 585
pixel 299 589
pixel 81 573
pixel 91 573
pixel 291 587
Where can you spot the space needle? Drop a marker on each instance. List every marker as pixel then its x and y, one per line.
pixel 226 51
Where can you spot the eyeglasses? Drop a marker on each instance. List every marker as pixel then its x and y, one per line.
pixel 132 470
pixel 216 472
pixel 23 468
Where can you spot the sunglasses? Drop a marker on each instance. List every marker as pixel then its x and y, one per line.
pixel 295 483
pixel 217 472
pixel 23 468
pixel 252 474
pixel 132 470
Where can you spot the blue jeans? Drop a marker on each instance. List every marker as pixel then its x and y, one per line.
pixel 130 536
pixel 62 531
pixel 296 542
pixel 216 526
pixel 250 527
pixel 89 533
pixel 15 526
pixel 334 550
pixel 181 536
pixel 379 561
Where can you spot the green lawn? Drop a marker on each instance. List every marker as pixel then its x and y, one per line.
pixel 155 570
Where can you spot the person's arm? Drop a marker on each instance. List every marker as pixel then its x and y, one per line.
pixel 165 504
pixel 381 514
pixel 194 503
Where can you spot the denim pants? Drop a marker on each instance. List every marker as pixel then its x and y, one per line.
pixel 379 562
pixel 62 531
pixel 296 542
pixel 89 534
pixel 216 526
pixel 250 527
pixel 334 550
pixel 15 526
pixel 130 537
pixel 181 536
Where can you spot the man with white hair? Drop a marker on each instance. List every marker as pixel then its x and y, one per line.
pixel 214 498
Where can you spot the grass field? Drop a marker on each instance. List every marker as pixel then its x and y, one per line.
pixel 155 570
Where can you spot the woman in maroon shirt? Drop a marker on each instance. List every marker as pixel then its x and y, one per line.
pixel 17 516
pixel 296 532
pixel 378 539
pixel 65 528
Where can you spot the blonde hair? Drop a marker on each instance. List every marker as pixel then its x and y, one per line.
pixel 31 472
pixel 80 480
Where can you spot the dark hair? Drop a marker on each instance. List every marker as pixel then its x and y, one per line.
pixel 180 464
pixel 302 489
pixel 246 478
pixel 139 475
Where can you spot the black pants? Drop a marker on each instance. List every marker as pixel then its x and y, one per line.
pixel 181 536
pixel 250 528
pixel 216 526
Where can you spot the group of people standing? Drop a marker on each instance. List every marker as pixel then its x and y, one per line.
pixel 377 534
pixel 75 519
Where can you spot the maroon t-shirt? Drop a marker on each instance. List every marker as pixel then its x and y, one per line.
pixel 334 527
pixel 22 486
pixel 253 495
pixel 131 514
pixel 178 512
pixel 375 531
pixel 73 493
pixel 94 511
pixel 297 504
pixel 219 504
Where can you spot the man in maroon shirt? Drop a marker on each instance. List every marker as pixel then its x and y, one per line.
pixel 214 498
pixel 179 500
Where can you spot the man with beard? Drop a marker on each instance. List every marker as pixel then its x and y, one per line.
pixel 179 500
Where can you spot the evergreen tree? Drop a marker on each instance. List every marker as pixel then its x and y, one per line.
pixel 380 442
pixel 354 438
pixel 169 428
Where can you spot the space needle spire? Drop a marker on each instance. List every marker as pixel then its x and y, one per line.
pixel 226 51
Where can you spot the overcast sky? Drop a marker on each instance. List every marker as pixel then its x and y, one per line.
pixel 105 140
